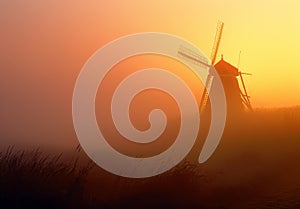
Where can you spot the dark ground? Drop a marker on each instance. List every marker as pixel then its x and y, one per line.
pixel 256 165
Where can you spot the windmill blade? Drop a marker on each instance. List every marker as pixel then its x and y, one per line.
pixel 205 94
pixel 245 73
pixel 217 41
pixel 247 104
pixel 192 56
pixel 245 95
pixel 195 58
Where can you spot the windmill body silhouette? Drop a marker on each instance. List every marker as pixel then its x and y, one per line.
pixel 237 100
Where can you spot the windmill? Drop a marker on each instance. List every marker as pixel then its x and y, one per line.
pixel 213 57
pixel 236 99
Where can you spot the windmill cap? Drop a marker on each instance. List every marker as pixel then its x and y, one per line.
pixel 224 68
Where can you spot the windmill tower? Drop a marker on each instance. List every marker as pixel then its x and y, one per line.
pixel 237 100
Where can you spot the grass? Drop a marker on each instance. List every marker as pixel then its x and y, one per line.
pixel 256 165
pixel 31 179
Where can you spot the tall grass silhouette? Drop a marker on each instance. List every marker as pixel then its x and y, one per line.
pixel 35 180
pixel 255 166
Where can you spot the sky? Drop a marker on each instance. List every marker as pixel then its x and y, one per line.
pixel 44 45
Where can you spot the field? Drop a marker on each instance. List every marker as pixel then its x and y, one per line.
pixel 255 166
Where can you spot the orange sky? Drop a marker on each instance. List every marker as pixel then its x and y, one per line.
pixel 265 31
pixel 45 43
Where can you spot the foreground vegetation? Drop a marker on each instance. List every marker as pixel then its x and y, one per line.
pixel 255 166
pixel 30 179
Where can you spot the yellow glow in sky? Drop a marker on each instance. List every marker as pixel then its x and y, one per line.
pixel 57 37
